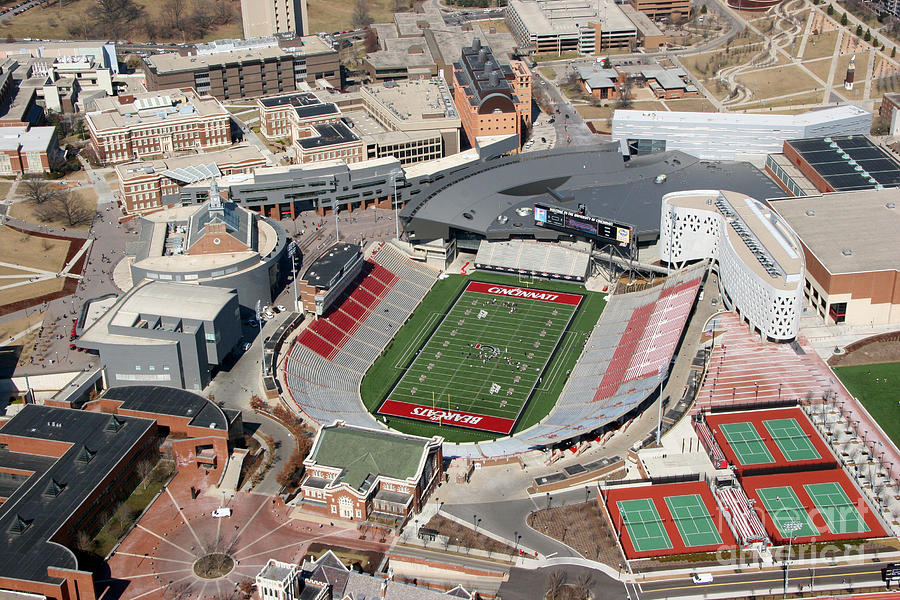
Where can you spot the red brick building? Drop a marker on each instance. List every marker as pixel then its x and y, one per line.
pixel 491 100
pixel 29 150
pixel 360 474
pixel 138 126
pixel 62 471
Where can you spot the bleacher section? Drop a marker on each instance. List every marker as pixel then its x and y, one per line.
pixel 635 337
pixel 744 521
pixel 325 364
pixel 537 258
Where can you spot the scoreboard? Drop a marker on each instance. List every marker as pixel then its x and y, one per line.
pixel 575 223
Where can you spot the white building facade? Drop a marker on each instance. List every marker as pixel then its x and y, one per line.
pixel 758 258
pixel 730 136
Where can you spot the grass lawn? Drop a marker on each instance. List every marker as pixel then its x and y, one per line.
pixel 32 251
pixel 329 15
pixel 5 186
pixel 778 82
pixel 548 72
pixel 798 100
pixel 880 399
pixel 499 25
pixel 52 23
pixel 382 376
pixel 589 112
pixel 821 45
pixel 28 211
pixel 550 56
pixel 820 67
pixel 11 328
pixel 691 105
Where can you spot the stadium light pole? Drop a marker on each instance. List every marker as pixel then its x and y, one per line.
pixel 659 412
pixel 394 175
pixel 292 250
pixel 791 527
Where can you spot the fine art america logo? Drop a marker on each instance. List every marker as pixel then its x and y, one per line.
pixel 445 416
pixel 520 293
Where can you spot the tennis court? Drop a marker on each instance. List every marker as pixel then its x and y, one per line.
pixel 695 525
pixel 793 442
pixel 746 443
pixel 645 527
pixel 836 508
pixel 785 507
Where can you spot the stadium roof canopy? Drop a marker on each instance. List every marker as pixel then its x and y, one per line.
pixel 850 162
pixel 477 198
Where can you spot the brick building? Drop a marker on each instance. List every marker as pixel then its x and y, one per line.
pixel 147 186
pixel 62 471
pixel 485 94
pixel 230 69
pixel 131 127
pixel 281 116
pixel 359 474
pixel 663 8
pixel 328 141
pixel 29 150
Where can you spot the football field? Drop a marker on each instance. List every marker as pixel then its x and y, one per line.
pixel 482 362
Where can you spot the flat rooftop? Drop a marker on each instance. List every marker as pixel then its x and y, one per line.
pixel 848 232
pixel 327 267
pixel 328 134
pixel 557 17
pixel 702 119
pixel 849 162
pixel 161 400
pixel 191 164
pixel 751 221
pixel 414 102
pixel 150 108
pixel 35 139
pixel 58 487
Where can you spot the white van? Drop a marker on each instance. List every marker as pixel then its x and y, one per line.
pixel 220 513
pixel 702 577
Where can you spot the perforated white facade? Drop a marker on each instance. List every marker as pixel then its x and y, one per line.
pixel 759 260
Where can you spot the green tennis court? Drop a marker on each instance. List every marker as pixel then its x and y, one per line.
pixel 746 443
pixel 645 527
pixel 836 508
pixel 695 525
pixel 793 442
pixel 784 507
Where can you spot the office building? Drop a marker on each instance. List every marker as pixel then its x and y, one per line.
pixel 757 256
pixel 282 116
pixel 583 26
pixel 271 17
pixel 357 474
pixel 328 141
pixel 164 333
pixel 232 69
pixel 729 136
pixel 148 185
pixel 670 9
pixel 151 124
pixel 849 240
pixel 485 94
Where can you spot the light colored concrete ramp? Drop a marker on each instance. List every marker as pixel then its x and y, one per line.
pixel 232 475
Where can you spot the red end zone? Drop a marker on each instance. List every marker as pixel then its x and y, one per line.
pixel 524 293
pixel 457 418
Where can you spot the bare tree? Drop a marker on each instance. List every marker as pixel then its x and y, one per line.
pixel 583 585
pixel 143 469
pixel 39 191
pixel 625 94
pixel 175 14
pixel 370 42
pixel 361 16
pixel 68 208
pixel 117 17
pixel 84 542
pixel 555 582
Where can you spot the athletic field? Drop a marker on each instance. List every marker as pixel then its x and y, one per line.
pixel 480 364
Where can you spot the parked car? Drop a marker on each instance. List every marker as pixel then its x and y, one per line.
pixel 221 513
pixel 245 346
pixel 281 308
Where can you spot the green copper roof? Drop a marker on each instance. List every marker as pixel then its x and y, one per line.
pixel 363 454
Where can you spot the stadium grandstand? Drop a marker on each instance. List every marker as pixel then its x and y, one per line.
pixel 549 261
pixel 327 360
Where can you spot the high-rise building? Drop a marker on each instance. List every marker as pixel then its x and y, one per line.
pixel 270 17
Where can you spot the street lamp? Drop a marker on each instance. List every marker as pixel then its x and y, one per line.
pixel 475 521
pixel 791 527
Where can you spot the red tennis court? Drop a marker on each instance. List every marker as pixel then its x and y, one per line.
pixel 665 519
pixel 825 500
pixel 768 438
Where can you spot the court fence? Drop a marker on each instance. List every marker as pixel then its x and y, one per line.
pixel 740 406
pixel 826 465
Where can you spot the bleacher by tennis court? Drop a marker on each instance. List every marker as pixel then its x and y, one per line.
pixel 325 364
pixel 744 520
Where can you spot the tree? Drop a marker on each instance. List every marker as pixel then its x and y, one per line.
pixel 361 16
pixel 175 12
pixel 703 10
pixel 143 469
pixel 859 31
pixel 84 542
pixel 39 191
pixel 583 585
pixel 868 36
pixel 117 17
pixel 555 582
pixel 69 208
pixel 830 10
pixel 844 19
pixel 625 94
pixel 370 42
pixel 894 52
pixel 875 42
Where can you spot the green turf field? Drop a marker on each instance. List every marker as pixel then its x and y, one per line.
pixel 746 443
pixel 645 527
pixel 485 356
pixel 784 507
pixel 836 508
pixel 881 397
pixel 791 439
pixel 400 354
pixel 694 523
